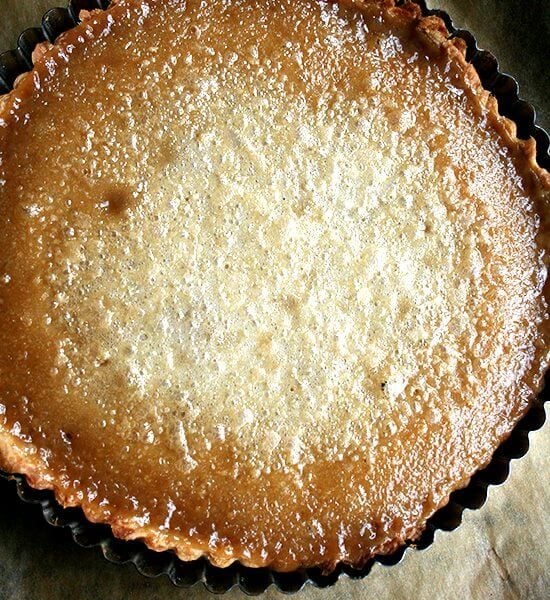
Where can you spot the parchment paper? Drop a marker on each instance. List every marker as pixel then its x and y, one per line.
pixel 500 552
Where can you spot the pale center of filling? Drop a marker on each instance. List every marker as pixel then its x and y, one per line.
pixel 281 281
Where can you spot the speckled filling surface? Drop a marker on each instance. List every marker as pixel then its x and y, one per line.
pixel 271 282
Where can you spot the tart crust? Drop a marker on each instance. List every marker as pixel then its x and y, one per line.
pixel 436 39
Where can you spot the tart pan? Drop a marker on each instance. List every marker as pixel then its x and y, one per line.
pixel 250 580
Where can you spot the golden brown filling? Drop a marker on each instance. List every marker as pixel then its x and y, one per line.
pixel 270 282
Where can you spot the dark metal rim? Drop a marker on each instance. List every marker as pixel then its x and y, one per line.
pixel 255 581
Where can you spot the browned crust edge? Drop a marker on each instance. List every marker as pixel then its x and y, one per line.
pixel 436 37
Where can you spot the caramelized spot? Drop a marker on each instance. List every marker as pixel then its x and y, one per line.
pixel 117 201
pixel 66 436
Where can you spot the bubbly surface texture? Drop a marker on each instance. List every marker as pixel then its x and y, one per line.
pixel 271 284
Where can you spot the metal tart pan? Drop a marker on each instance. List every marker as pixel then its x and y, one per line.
pixel 255 581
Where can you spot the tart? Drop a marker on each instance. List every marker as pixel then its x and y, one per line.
pixel 272 276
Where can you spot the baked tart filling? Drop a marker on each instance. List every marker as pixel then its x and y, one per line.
pixel 272 276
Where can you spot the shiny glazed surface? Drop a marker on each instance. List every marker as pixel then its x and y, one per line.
pixel 271 286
